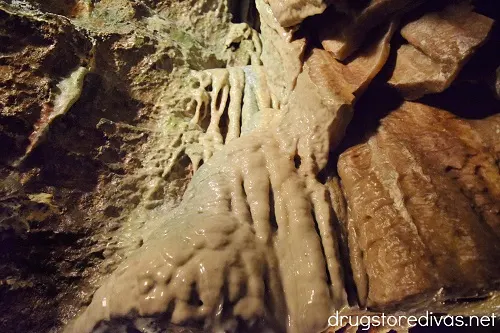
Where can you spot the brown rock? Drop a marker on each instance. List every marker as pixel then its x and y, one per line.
pixel 36 55
pixel 292 12
pixel 343 33
pixel 440 44
pixel 366 63
pixel 325 93
pixel 417 74
pixel 424 212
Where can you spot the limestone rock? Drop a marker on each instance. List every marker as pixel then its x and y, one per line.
pixel 431 61
pixel 423 197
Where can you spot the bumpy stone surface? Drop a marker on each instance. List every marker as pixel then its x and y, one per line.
pixel 189 144
pixel 36 54
pixel 92 98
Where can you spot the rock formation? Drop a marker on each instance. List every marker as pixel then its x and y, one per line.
pixel 214 202
pixel 430 62
pixel 423 213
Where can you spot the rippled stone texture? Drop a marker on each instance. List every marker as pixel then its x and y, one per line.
pixel 255 242
pixel 424 208
pixel 278 263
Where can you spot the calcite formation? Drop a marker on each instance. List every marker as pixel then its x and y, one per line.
pixel 195 161
pixel 87 88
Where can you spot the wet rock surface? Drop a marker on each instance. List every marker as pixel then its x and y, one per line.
pixel 119 120
pixel 68 178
